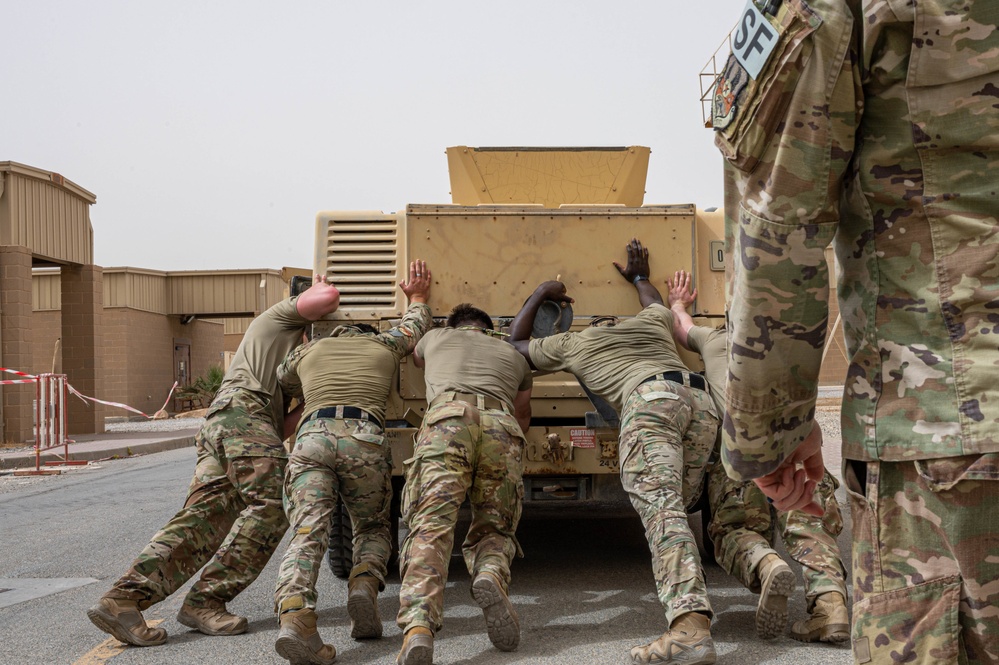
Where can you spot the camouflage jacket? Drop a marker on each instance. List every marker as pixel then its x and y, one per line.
pixel 872 125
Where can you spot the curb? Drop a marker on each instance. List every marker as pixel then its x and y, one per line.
pixel 122 450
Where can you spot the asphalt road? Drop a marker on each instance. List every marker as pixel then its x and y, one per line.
pixel 584 592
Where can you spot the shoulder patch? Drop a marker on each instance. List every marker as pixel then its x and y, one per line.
pixel 728 94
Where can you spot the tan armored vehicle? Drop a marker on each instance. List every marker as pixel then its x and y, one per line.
pixel 520 216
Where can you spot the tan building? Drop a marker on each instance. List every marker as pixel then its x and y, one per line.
pixel 119 334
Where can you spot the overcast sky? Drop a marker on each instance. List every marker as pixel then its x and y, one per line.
pixel 213 132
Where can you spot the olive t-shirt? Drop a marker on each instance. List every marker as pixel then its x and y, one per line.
pixel 267 341
pixel 613 360
pixel 352 368
pixel 711 344
pixel 471 361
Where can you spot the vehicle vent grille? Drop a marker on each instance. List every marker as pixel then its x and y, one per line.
pixel 361 260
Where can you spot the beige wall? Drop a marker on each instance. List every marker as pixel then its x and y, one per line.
pixel 141 371
pixel 138 353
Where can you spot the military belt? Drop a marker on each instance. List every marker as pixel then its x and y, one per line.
pixel 479 401
pixel 344 412
pixel 683 378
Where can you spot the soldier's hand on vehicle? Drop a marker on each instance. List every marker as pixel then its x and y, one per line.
pixel 417 287
pixel 792 485
pixel 553 290
pixel 318 300
pixel 679 289
pixel 638 262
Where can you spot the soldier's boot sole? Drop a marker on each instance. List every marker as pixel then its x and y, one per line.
pixel 834 632
pixel 363 613
pixel 113 626
pixel 418 650
pixel 771 612
pixel 502 624
pixel 297 651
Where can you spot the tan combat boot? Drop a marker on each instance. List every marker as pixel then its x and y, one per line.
pixel 122 619
pixel 211 619
pixel 829 621
pixel 502 624
pixel 362 607
pixel 417 647
pixel 687 641
pixel 776 584
pixel 299 642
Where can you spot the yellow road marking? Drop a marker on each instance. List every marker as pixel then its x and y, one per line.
pixel 107 649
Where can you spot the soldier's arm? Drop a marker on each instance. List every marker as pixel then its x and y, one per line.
pixel 523 323
pixel 782 210
pixel 680 297
pixel 287 371
pixel 403 338
pixel 522 409
pixel 318 300
pixel 637 272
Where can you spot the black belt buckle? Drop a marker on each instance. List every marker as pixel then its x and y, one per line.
pixel 351 412
pixel 693 380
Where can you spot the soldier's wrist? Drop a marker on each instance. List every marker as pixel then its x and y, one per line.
pixel 639 278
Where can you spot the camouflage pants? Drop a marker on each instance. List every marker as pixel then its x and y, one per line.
pixel 232 519
pixel 332 457
pixel 459 450
pixel 925 560
pixel 742 526
pixel 667 434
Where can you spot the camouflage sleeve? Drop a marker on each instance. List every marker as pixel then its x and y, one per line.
pixel 287 371
pixel 787 136
pixel 404 337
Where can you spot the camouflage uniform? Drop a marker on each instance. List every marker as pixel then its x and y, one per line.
pixel 233 515
pixel 874 123
pixel 332 457
pixel 667 433
pixel 460 450
pixel 742 525
pixel 468 445
pixel 344 457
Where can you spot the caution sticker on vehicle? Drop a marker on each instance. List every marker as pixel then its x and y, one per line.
pixel 583 438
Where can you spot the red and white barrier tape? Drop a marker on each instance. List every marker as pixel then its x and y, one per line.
pixel 14 371
pixel 169 395
pixel 100 401
pixel 34 379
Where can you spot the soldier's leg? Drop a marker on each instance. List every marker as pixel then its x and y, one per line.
pixel 925 560
pixel 811 541
pixel 310 496
pixel 364 473
pixel 741 526
pixel 652 472
pixel 254 535
pixel 190 538
pixel 698 442
pixel 437 478
pixel 496 497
